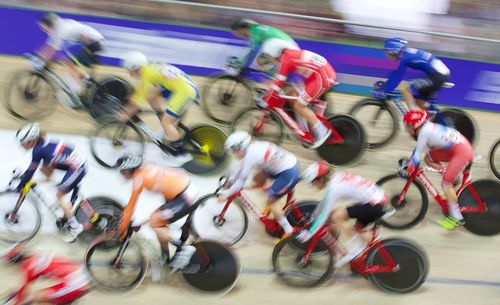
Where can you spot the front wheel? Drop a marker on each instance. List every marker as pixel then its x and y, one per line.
pixel 213 268
pixel 262 125
pixel 412 271
pixel 21 226
pixel 411 209
pixel 354 141
pixel 206 145
pixel 494 158
pixel 461 121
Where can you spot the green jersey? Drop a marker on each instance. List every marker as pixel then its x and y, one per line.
pixel 260 33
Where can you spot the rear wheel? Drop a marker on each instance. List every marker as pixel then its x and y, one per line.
pixel 107 98
pixel 21 226
pixel 494 158
pixel 461 121
pixel 206 144
pixel 272 129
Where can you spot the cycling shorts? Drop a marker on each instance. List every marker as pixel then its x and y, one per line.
pixel 312 88
pixel 426 87
pixel 284 182
pixel 182 205
pixel 71 180
pixel 458 157
pixel 84 54
pixel 365 213
pixel 63 293
pixel 179 102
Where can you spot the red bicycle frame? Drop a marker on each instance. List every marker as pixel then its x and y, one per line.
pixel 466 183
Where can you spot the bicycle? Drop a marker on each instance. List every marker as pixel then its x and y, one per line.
pixel 346 144
pixel 479 201
pixel 383 120
pixel 213 268
pixel 392 265
pixel 229 223
pixel 494 159
pixel 21 217
pixel 38 90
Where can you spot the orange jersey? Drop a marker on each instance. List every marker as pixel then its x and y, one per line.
pixel 165 180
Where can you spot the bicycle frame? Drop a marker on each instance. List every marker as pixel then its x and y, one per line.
pixel 397 100
pixel 75 99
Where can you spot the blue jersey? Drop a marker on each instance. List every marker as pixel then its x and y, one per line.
pixel 417 60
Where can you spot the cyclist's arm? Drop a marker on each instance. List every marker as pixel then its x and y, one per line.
pixel 249 58
pixel 395 77
pixel 278 81
pixel 35 162
pixel 416 155
pixel 325 207
pixel 138 186
pixel 246 168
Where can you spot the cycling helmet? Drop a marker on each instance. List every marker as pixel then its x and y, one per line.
pixel 28 133
pixel 395 45
pixel 274 46
pixel 48 19
pixel 415 118
pixel 134 60
pixel 14 254
pixel 316 170
pixel 238 140
pixel 242 23
pixel 129 162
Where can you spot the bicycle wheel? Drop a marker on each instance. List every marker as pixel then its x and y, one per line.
pixel 354 145
pixel 109 215
pixel 126 276
pixel 273 129
pixel 286 257
pixel 108 97
pixel 30 96
pixel 485 223
pixel 206 144
pixel 300 215
pixel 27 222
pixel 379 120
pixel 224 96
pixel 461 121
pixel 213 268
pixel 413 266
pixel 228 230
pixel 494 159
pixel 411 211
pixel 114 139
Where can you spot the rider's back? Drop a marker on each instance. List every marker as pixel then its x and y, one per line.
pixel 58 154
pixel 165 180
pixel 424 61
pixel 355 188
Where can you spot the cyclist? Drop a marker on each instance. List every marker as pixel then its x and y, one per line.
pixel 157 82
pixel 73 280
pixel 179 193
pixel 369 200
pixel 257 34
pixel 272 162
pixel 444 144
pixel 317 76
pixel 55 155
pixel 80 43
pixel 422 88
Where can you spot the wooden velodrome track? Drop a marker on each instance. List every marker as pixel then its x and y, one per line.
pixel 465 268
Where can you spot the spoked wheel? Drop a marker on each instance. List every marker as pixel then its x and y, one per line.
pixel 485 223
pixel 353 146
pixel 379 120
pixel 122 275
pixel 21 226
pixel 494 159
pixel 260 124
pixel 289 268
pixel 103 216
pixel 114 139
pixel 300 215
pixel 30 96
pixel 461 121
pixel 411 209
pixel 224 96
pixel 229 229
pixel 412 262
pixel 107 98
pixel 213 268
pixel 206 144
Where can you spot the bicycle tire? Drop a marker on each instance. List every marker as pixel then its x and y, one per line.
pixel 211 139
pixel 218 108
pixel 414 220
pixel 461 121
pixel 495 168
pixel 39 112
pixel 353 147
pixel 385 107
pixel 220 275
pixel 5 224
pixel 105 159
pixel 110 212
pixel 296 253
pixel 102 104
pixel 204 218
pixel 413 267
pixel 256 114
pixel 100 247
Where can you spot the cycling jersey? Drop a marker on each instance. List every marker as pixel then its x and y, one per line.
pixel 346 186
pixel 317 73
pixel 417 60
pixel 71 31
pixel 74 280
pixel 267 156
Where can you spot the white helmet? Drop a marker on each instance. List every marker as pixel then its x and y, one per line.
pixel 134 60
pixel 238 140
pixel 129 162
pixel 274 46
pixel 28 133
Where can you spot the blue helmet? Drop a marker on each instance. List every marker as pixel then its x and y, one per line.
pixel 395 45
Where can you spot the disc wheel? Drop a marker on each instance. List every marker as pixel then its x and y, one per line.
pixel 461 121
pixel 494 159
pixel 206 144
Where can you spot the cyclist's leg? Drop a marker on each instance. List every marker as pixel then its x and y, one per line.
pixel 84 57
pixel 424 88
pixel 70 183
pixel 178 104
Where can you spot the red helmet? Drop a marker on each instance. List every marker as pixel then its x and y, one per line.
pixel 316 170
pixel 415 118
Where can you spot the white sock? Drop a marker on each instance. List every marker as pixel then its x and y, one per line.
pixel 73 223
pixel 454 210
pixel 355 245
pixel 285 225
pixel 319 129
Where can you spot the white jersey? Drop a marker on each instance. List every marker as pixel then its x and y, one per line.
pixel 71 31
pixel 268 157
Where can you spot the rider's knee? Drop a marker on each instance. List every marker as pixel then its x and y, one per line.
pixel 447 184
pixel 157 221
